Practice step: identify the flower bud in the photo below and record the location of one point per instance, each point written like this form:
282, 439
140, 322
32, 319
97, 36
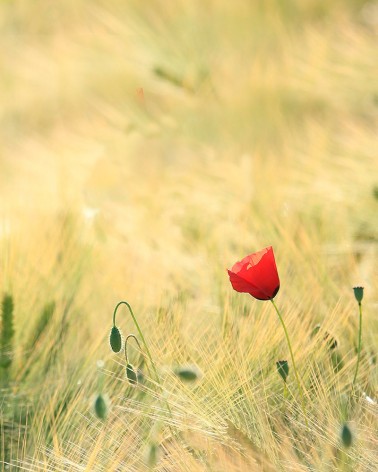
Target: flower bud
188, 373
283, 369
100, 407
131, 375
358, 293
346, 436
115, 339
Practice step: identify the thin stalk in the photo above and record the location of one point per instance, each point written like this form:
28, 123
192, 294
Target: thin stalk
359, 344
132, 336
285, 390
292, 360
145, 346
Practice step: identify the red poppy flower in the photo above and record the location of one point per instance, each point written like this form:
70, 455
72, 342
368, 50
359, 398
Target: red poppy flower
257, 275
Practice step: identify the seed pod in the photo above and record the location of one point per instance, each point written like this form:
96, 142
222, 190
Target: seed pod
283, 369
131, 375
115, 339
346, 436
100, 407
358, 293
188, 373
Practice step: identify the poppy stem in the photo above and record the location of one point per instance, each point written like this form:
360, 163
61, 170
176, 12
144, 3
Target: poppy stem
145, 346
359, 343
292, 360
285, 390
132, 336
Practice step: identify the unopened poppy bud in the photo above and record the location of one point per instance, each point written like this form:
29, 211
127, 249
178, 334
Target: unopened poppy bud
283, 369
358, 293
100, 407
131, 375
346, 436
188, 373
115, 339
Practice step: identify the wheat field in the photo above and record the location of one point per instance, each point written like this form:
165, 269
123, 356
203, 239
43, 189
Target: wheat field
145, 148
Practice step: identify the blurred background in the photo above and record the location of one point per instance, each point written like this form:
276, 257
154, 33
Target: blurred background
147, 146
247, 111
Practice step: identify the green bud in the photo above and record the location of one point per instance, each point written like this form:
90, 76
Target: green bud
358, 293
131, 375
346, 436
100, 407
188, 373
115, 339
283, 369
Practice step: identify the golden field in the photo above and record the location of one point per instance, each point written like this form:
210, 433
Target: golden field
256, 126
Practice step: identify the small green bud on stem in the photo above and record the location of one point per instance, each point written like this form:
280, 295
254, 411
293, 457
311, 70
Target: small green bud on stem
131, 374
283, 369
188, 373
100, 407
358, 293
115, 339
346, 436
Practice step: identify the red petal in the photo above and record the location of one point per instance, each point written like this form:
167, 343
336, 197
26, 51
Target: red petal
257, 275
244, 286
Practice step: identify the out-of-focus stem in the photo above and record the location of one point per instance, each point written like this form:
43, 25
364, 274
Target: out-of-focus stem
292, 360
359, 344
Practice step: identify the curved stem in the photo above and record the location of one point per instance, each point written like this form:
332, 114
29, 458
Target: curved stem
100, 381
144, 344
292, 360
126, 341
139, 347
359, 344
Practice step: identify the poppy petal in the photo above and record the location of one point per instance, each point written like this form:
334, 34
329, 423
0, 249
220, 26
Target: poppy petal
256, 274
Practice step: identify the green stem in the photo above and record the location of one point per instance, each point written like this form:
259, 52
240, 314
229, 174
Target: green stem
359, 343
132, 336
285, 390
144, 344
292, 360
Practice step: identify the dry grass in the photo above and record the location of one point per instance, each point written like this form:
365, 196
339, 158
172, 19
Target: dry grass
257, 127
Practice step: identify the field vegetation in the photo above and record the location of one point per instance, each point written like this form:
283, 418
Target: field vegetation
145, 148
